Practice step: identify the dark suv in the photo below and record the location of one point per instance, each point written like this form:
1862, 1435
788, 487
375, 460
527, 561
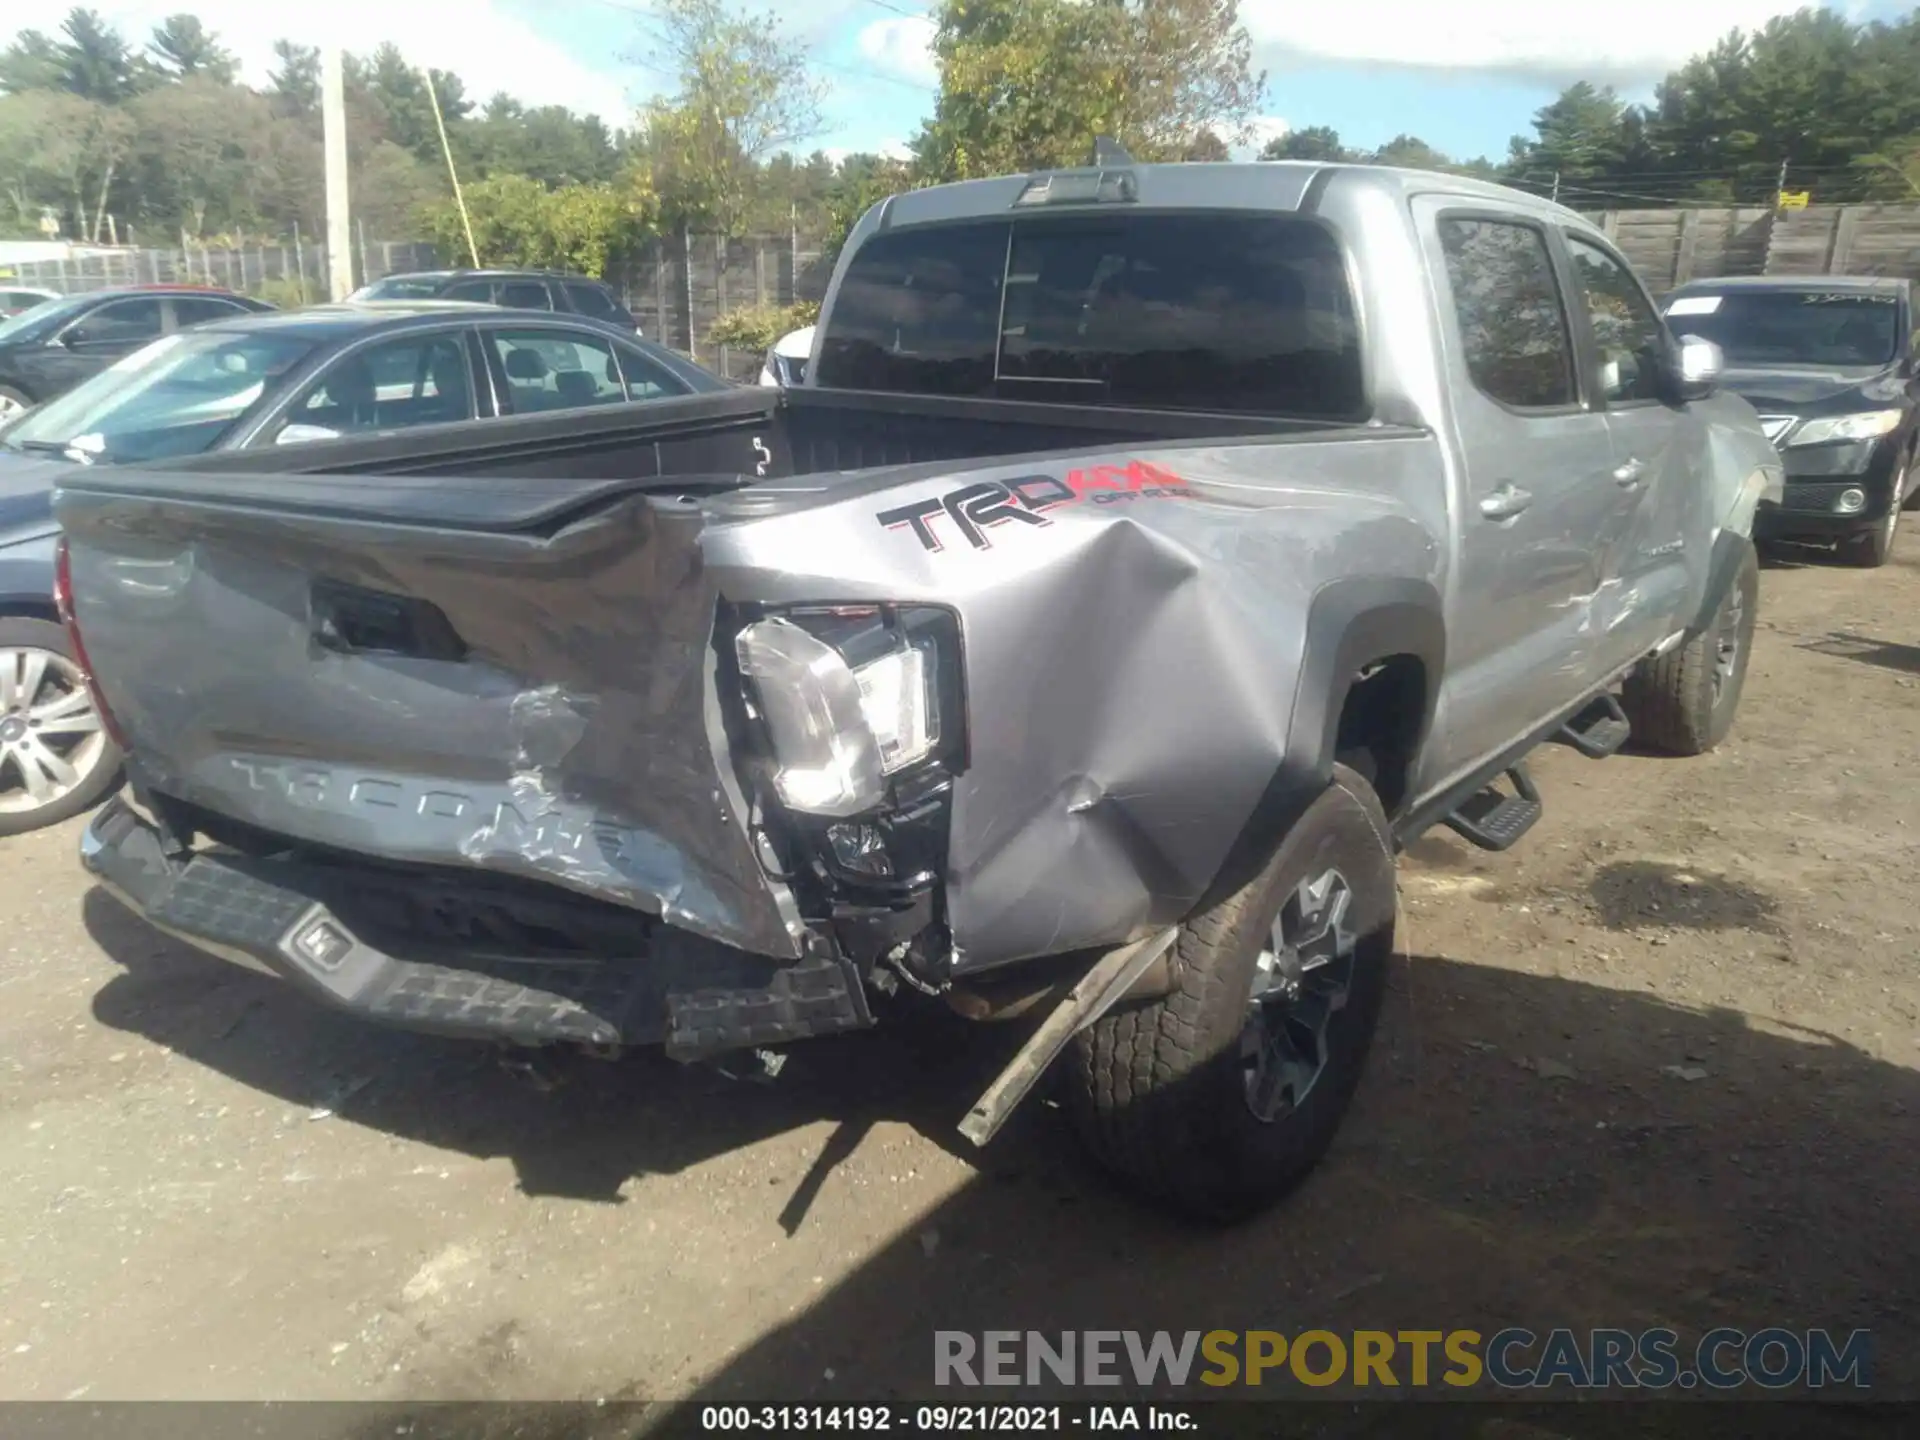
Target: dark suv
48, 349
515, 289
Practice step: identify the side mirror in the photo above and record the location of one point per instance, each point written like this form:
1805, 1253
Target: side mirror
1698, 367
304, 434
76, 337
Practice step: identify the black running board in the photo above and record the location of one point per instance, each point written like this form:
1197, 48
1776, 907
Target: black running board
1494, 820
1599, 730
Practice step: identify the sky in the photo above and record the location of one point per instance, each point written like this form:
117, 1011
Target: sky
1465, 77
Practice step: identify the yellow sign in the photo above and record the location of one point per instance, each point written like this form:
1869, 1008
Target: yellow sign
1795, 199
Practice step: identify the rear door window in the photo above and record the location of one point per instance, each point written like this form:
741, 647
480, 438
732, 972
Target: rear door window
1219, 312
198, 309
556, 370
594, 301
525, 295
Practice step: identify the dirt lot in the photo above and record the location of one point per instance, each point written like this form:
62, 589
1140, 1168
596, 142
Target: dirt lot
212, 1188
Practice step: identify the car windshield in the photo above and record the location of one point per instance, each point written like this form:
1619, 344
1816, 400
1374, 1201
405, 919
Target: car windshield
1792, 327
177, 396
400, 287
38, 317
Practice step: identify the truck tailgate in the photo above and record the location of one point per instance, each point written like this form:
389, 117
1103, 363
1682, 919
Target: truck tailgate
515, 675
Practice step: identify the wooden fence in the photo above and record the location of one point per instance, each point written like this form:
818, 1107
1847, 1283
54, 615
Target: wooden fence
1670, 247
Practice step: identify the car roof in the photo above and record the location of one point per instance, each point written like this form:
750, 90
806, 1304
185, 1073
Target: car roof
489, 273
1838, 284
1266, 185
326, 323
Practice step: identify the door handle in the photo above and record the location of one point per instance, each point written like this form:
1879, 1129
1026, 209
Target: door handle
1630, 474
1506, 502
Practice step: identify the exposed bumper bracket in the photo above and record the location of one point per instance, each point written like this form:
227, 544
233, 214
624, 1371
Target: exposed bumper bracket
1098, 991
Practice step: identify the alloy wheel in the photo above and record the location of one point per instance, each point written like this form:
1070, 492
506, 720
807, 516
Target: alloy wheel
51, 738
1301, 981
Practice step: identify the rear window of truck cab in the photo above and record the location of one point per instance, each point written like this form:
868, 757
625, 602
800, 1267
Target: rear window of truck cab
1224, 312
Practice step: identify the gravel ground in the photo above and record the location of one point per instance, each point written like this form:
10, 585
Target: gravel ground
1655, 1066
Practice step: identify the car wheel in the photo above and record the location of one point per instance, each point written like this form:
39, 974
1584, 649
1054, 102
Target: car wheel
1684, 702
13, 404
1219, 1098
56, 759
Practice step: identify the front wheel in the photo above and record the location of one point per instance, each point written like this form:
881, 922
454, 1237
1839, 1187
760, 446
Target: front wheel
1684, 702
13, 404
56, 759
1219, 1098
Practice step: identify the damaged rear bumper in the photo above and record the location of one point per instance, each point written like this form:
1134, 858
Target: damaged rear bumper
692, 995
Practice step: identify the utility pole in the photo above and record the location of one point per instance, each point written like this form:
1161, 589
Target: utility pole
1556, 187
333, 123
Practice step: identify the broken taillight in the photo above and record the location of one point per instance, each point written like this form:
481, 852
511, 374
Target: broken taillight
63, 603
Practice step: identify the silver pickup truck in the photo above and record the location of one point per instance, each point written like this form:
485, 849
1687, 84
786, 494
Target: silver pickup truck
1149, 552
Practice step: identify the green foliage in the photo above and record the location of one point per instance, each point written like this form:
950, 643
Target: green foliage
518, 221
1832, 100
756, 327
166, 141
744, 92
865, 180
1028, 84
182, 48
1315, 142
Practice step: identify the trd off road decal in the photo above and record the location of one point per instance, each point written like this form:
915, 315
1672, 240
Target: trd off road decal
977, 508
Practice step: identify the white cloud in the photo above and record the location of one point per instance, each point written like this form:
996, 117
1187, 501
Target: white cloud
1629, 42
487, 47
902, 45
894, 150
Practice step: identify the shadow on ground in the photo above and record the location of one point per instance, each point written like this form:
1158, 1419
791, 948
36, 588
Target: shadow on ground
1471, 1187
1886, 654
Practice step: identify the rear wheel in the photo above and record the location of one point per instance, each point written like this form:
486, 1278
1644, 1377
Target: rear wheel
1219, 1098
13, 404
56, 759
1684, 702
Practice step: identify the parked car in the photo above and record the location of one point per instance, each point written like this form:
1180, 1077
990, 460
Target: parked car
48, 349
1832, 363
243, 385
515, 289
1149, 553
786, 362
15, 298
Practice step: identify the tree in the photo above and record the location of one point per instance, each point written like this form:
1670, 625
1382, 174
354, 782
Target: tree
864, 181
32, 62
294, 84
391, 190
183, 47
1206, 146
1582, 134
1316, 142
1028, 84
1410, 152
96, 62
200, 155
744, 92
518, 221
